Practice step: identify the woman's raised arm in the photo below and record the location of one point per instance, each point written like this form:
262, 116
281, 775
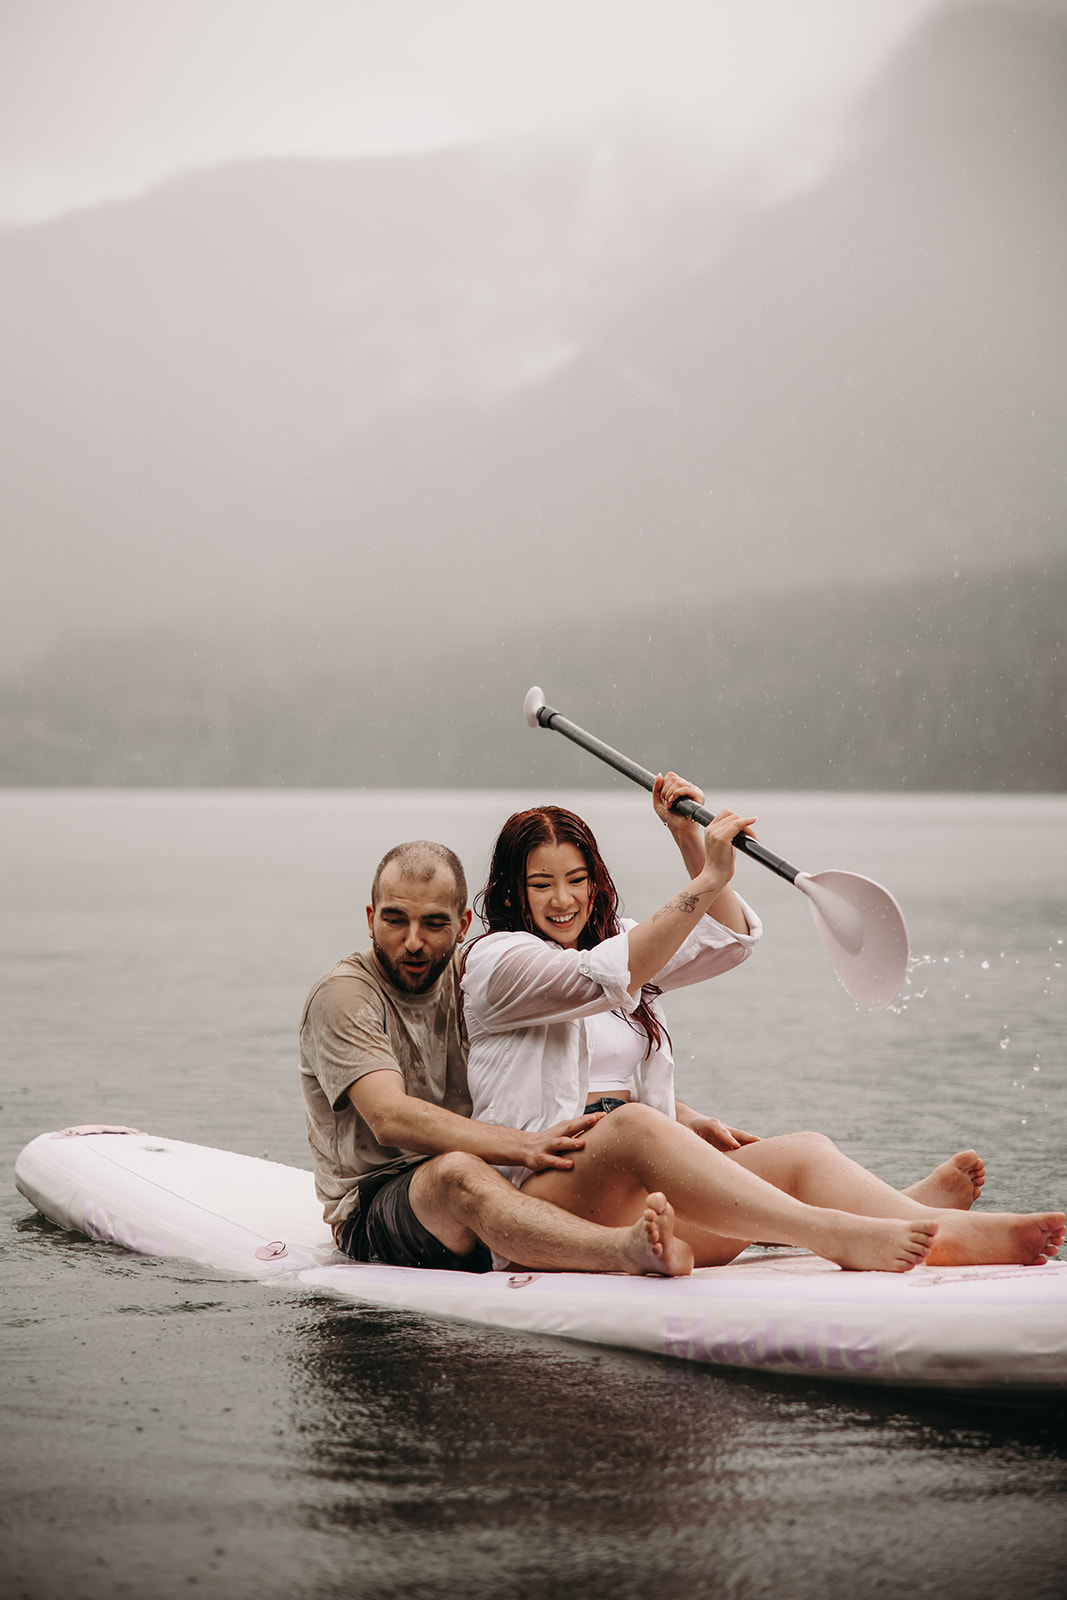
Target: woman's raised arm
689, 837
654, 941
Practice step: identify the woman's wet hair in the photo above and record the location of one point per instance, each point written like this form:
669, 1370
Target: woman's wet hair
504, 906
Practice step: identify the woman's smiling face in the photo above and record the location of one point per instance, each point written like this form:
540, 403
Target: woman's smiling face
558, 892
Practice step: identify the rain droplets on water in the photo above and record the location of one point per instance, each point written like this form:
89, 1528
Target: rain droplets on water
981, 966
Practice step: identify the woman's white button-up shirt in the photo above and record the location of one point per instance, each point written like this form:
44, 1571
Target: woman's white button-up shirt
525, 1001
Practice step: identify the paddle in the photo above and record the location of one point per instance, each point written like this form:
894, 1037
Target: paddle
859, 922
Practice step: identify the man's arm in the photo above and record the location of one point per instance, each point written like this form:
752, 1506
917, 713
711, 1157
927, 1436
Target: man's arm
711, 1130
401, 1121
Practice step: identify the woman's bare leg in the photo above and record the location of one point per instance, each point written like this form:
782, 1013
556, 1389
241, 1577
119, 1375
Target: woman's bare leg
811, 1167
727, 1205
953, 1185
805, 1192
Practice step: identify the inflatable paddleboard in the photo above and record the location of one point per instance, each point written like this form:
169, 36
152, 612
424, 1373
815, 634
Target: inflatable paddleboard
964, 1328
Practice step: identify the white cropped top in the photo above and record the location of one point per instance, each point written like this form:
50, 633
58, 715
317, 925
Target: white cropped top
615, 1050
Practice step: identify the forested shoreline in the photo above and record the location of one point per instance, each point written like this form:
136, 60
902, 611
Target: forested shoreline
933, 685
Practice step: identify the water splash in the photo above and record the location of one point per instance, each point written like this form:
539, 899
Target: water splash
908, 993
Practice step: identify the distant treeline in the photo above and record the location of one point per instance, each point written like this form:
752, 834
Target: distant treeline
955, 684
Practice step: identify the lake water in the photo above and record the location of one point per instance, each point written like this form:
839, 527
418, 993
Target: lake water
172, 1431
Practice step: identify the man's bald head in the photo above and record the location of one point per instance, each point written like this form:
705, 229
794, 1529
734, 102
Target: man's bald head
421, 860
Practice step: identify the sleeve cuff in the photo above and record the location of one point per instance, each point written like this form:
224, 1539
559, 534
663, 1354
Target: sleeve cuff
609, 966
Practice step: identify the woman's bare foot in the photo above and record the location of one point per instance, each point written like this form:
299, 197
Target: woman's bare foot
1025, 1239
874, 1244
953, 1186
650, 1245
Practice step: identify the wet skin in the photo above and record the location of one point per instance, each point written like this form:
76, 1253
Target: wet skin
415, 927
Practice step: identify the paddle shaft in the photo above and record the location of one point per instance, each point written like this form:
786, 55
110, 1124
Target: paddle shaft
630, 769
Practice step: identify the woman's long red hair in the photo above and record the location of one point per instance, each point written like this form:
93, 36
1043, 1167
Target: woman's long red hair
504, 906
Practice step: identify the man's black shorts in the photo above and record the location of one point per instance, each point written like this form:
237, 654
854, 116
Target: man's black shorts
384, 1229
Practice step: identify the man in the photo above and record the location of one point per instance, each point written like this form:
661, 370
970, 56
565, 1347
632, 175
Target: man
405, 1176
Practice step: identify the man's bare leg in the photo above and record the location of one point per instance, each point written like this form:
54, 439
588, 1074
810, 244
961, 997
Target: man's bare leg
460, 1200
807, 1193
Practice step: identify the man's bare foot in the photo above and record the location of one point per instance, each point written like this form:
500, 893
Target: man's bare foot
650, 1245
953, 1186
1025, 1239
874, 1244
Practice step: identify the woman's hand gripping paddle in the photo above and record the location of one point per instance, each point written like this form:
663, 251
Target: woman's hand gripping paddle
859, 922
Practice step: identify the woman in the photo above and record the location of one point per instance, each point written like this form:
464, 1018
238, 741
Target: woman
561, 1004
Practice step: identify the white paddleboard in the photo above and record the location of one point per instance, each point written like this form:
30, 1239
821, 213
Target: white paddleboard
976, 1328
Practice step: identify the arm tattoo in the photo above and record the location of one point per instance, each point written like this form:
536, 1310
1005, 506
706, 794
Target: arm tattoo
686, 902
681, 902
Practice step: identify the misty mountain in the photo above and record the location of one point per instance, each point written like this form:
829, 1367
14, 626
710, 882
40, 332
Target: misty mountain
393, 405
953, 683
193, 378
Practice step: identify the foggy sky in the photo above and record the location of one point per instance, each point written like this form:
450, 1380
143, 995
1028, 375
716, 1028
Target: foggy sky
761, 328
104, 99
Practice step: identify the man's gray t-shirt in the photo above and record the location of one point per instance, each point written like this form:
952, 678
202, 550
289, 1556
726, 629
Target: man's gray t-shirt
356, 1022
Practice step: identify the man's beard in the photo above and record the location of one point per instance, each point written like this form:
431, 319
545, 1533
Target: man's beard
409, 982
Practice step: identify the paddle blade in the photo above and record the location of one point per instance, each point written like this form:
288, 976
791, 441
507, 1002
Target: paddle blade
864, 932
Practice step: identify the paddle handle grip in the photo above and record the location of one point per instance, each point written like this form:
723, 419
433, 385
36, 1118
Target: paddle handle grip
548, 718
